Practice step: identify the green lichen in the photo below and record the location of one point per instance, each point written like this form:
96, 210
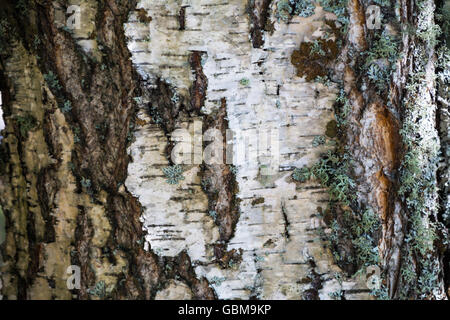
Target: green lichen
217, 280
318, 140
301, 174
359, 232
339, 8
332, 171
426, 29
303, 8
383, 3
36, 42
288, 8
380, 60
244, 82
175, 98
353, 231
284, 10
52, 80
138, 100
323, 80
76, 134
336, 295
86, 183
26, 123
67, 107
174, 174
380, 293
316, 48
212, 214
342, 110
99, 290
205, 183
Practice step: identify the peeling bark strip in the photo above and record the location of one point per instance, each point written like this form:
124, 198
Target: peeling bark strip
220, 183
182, 269
182, 18
259, 11
200, 85
165, 106
316, 282
286, 222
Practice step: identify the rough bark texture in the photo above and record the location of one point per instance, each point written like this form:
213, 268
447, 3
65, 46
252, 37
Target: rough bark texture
62, 186
93, 115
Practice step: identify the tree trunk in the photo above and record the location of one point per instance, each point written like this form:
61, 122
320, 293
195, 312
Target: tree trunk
355, 179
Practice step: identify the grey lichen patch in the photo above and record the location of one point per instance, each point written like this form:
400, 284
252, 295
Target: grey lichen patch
288, 8
380, 60
174, 174
98, 290
52, 80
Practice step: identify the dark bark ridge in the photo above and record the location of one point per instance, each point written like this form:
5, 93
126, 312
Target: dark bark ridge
259, 12
219, 184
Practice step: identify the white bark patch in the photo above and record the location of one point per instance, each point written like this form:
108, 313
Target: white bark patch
172, 224
276, 235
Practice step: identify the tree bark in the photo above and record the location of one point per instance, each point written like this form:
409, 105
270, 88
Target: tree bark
91, 114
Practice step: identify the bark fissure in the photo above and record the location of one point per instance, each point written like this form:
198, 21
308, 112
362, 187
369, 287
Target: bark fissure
259, 12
